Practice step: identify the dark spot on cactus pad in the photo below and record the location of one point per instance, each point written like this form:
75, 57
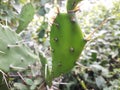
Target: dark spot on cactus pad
8, 47
71, 49
59, 64
56, 39
10, 67
73, 19
16, 43
56, 24
52, 50
29, 66
22, 59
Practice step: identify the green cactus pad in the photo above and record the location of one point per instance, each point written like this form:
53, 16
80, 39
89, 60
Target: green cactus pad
67, 43
26, 16
14, 55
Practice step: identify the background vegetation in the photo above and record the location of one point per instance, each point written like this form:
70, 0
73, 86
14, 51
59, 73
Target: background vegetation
98, 68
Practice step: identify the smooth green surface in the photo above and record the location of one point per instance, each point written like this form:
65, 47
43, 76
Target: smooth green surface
67, 43
26, 16
13, 53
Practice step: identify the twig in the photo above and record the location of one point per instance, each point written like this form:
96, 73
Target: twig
42, 85
82, 83
21, 77
101, 24
4, 77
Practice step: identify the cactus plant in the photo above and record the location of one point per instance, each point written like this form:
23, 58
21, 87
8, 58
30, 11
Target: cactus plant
26, 16
71, 4
67, 43
14, 55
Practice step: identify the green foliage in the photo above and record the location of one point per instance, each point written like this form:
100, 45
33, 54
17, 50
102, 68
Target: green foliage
99, 64
13, 53
30, 84
26, 16
20, 86
7, 14
41, 31
101, 56
3, 86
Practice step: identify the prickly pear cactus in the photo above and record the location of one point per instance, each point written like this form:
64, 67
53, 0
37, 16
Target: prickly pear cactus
14, 55
71, 4
26, 16
67, 43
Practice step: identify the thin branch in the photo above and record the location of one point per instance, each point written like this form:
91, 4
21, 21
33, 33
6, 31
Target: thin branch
14, 76
21, 77
101, 24
4, 77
